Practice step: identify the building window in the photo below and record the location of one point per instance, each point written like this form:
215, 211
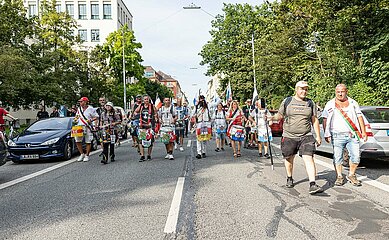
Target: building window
95, 35
58, 8
94, 11
82, 33
82, 11
70, 10
32, 10
107, 14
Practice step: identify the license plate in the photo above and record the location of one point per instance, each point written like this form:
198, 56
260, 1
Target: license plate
32, 156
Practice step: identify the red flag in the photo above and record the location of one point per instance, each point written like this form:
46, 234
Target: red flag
158, 103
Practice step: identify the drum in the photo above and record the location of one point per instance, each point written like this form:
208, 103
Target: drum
204, 131
146, 137
220, 129
263, 136
107, 136
167, 134
179, 124
77, 131
236, 133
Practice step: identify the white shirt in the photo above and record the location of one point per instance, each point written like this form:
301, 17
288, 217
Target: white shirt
220, 119
259, 117
89, 114
166, 115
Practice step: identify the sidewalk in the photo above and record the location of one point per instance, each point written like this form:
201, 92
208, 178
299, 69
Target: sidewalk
242, 198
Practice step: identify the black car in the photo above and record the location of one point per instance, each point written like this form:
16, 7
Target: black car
45, 139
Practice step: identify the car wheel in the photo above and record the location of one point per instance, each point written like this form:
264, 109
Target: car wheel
346, 158
67, 151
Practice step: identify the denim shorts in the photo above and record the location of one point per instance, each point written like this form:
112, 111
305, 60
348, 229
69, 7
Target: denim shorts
345, 140
221, 135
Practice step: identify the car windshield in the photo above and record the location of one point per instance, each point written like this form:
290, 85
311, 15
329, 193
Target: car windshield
378, 115
50, 124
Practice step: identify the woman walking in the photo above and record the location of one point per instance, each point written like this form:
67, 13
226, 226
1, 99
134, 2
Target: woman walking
108, 120
219, 119
235, 128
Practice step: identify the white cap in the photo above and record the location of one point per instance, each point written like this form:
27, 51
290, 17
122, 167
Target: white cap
109, 104
301, 84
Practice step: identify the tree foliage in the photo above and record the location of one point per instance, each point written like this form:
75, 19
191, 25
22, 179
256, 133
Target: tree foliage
322, 41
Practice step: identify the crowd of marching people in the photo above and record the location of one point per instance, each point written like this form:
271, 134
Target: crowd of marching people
232, 126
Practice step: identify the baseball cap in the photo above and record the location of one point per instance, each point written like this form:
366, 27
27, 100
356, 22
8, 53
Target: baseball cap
109, 104
138, 96
301, 84
84, 99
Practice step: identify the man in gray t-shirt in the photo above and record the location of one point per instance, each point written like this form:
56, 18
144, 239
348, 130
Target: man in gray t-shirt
300, 115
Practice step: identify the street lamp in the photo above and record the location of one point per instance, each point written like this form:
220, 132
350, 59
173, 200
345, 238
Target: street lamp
124, 78
192, 6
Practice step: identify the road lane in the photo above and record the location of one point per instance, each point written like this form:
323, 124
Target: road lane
244, 199
125, 199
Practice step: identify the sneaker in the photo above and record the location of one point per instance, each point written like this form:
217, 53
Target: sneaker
198, 156
86, 159
81, 158
142, 159
266, 155
222, 149
354, 181
148, 158
217, 150
181, 149
171, 157
339, 181
175, 146
313, 189
203, 155
260, 154
289, 183
167, 156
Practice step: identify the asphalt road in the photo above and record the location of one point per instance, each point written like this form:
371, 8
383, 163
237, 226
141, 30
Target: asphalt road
221, 198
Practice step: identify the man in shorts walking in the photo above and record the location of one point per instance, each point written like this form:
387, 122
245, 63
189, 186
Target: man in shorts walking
299, 115
85, 117
344, 127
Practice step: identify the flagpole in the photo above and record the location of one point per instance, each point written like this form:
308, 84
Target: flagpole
252, 45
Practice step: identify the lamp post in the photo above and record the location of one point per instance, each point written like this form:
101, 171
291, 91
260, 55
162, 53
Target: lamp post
192, 6
124, 78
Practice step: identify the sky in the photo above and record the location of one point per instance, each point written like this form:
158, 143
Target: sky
172, 37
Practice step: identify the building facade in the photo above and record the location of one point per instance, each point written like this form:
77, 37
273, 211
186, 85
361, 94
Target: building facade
96, 19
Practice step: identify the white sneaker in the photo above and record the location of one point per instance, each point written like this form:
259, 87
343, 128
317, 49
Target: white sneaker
86, 158
181, 149
167, 156
175, 146
81, 158
171, 157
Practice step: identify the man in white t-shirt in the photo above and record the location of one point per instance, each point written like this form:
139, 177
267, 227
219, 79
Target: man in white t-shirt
168, 116
85, 117
344, 126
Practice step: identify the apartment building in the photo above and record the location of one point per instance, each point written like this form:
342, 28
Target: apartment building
96, 19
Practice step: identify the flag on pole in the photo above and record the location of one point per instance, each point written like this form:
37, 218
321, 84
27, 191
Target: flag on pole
229, 92
158, 103
255, 96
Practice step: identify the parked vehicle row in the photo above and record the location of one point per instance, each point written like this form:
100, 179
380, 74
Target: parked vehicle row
45, 139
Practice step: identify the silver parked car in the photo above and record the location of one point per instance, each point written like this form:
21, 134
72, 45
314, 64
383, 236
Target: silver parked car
377, 127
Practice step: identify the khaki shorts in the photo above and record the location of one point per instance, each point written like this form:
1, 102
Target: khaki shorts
88, 135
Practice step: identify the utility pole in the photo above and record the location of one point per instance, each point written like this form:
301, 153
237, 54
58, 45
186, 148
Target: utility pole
124, 78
